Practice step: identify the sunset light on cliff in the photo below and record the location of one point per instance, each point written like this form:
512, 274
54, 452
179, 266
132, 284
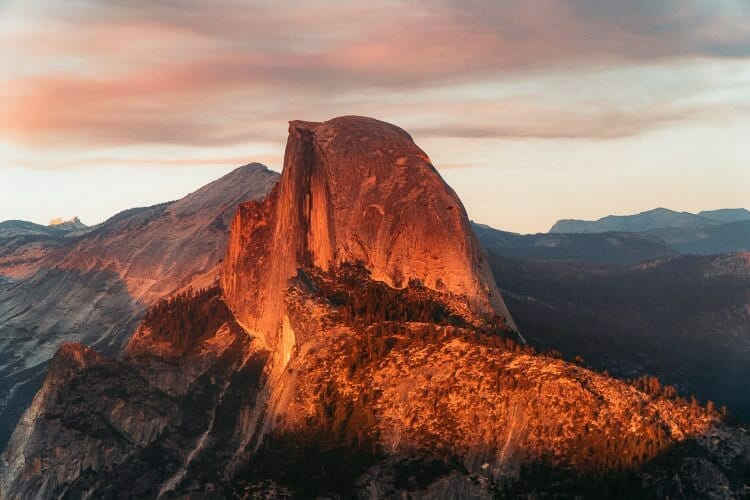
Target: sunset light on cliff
436, 250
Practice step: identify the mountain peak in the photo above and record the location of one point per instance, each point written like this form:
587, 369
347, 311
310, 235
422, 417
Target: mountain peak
249, 181
60, 223
248, 169
659, 211
354, 190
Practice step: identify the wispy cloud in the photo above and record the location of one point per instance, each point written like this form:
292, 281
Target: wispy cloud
644, 100
216, 73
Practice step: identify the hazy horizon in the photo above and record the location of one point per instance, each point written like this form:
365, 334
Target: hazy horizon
202, 176
532, 111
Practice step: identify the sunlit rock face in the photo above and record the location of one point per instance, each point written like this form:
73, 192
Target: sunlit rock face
66, 225
323, 367
354, 189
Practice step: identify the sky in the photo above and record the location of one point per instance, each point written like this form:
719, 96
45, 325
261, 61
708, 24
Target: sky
531, 110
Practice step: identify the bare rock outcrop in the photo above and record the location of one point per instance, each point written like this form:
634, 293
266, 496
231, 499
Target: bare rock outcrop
56, 441
354, 189
92, 285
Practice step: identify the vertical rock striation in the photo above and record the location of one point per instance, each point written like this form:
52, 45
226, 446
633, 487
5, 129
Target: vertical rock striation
354, 190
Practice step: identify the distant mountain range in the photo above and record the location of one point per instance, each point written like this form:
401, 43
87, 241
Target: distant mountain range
712, 240
56, 227
595, 248
658, 218
705, 233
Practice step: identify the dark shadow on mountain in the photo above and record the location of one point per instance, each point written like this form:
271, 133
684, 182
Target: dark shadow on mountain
204, 419
684, 470
310, 464
595, 248
677, 319
724, 238
52, 307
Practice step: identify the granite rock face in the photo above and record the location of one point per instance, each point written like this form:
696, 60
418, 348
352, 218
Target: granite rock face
64, 440
354, 348
92, 285
355, 189
134, 426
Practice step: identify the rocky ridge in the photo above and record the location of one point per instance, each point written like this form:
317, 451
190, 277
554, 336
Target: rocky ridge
93, 285
346, 374
60, 224
651, 219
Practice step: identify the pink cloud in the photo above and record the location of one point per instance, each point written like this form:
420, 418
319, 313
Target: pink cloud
222, 73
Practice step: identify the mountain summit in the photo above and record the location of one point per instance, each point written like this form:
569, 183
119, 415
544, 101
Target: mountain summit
69, 225
355, 190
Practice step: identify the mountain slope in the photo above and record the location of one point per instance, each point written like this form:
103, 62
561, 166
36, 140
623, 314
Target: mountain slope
726, 214
360, 384
93, 285
415, 408
713, 240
